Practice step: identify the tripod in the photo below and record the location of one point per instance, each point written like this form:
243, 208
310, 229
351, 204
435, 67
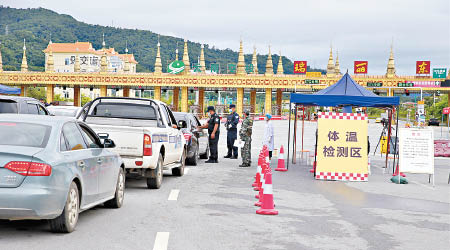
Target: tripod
383, 133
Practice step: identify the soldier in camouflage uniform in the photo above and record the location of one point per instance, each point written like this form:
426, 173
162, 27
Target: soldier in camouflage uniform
246, 135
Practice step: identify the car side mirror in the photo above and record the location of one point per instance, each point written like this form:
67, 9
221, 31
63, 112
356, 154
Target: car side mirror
109, 143
182, 124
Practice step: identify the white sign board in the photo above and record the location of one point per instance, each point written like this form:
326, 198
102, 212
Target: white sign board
416, 153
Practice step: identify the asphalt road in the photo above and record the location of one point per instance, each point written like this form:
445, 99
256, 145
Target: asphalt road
211, 207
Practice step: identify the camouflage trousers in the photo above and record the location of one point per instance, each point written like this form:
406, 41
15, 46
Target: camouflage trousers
246, 152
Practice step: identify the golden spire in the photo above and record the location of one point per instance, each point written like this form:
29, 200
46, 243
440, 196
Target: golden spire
202, 59
187, 67
241, 61
103, 61
280, 70
158, 64
126, 67
337, 68
76, 65
176, 52
24, 66
269, 65
255, 61
390, 71
1, 61
330, 66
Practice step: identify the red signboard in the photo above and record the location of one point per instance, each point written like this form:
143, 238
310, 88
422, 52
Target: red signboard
300, 67
360, 67
423, 67
446, 111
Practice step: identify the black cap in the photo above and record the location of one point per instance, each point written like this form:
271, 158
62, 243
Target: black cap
247, 112
232, 106
210, 108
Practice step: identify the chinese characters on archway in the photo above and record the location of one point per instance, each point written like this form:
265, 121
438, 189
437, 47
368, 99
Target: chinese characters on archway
342, 151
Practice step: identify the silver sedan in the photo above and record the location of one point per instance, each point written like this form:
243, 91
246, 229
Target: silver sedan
53, 168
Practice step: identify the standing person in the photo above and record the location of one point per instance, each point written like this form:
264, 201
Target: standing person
214, 132
231, 125
268, 135
246, 135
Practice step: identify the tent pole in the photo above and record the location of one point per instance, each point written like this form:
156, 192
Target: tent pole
303, 127
294, 151
388, 137
289, 134
396, 139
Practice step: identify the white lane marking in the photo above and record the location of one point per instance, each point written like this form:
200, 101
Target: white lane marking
186, 170
423, 185
173, 196
161, 241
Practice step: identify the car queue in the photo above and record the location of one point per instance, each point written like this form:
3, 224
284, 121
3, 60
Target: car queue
64, 161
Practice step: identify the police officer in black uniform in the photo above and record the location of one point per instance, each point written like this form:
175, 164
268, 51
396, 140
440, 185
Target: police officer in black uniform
214, 132
231, 125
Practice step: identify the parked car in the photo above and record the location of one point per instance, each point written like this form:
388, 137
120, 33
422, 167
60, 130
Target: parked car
70, 111
433, 122
378, 120
196, 138
55, 167
21, 105
145, 132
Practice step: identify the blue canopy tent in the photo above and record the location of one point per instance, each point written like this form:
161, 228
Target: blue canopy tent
8, 90
344, 93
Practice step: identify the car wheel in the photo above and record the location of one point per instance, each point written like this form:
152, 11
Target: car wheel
157, 173
66, 222
117, 201
193, 160
179, 171
206, 154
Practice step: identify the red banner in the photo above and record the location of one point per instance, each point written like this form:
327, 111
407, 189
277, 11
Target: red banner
423, 67
300, 67
360, 67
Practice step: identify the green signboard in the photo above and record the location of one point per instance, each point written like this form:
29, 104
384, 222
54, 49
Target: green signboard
312, 81
175, 67
405, 84
374, 84
440, 73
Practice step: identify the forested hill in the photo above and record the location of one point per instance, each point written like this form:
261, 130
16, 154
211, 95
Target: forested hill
37, 25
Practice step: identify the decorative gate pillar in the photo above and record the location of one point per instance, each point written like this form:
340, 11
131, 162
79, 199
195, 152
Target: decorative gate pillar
240, 101
175, 98
76, 96
268, 101
253, 101
126, 92
50, 92
103, 91
201, 101
184, 99
157, 93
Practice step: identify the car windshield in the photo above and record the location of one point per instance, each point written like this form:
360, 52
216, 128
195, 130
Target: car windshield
64, 112
8, 106
24, 134
124, 110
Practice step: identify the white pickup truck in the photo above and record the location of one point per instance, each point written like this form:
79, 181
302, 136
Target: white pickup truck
145, 133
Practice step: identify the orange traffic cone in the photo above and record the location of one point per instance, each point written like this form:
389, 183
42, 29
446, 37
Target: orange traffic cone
258, 171
266, 155
281, 166
267, 206
260, 196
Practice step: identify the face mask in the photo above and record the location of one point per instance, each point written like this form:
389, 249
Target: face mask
230, 110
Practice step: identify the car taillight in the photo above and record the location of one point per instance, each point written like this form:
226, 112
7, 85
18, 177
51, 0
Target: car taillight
147, 145
187, 137
27, 168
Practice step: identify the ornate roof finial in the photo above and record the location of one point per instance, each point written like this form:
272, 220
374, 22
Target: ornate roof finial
255, 61
390, 71
330, 66
50, 41
176, 52
158, 64
50, 62
269, 65
103, 43
24, 65
280, 70
337, 68
241, 61
187, 67
202, 59
126, 47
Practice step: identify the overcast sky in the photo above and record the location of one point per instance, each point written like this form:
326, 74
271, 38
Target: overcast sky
300, 29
